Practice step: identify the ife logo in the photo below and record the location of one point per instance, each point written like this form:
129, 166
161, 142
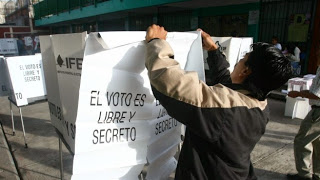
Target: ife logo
221, 48
59, 61
70, 62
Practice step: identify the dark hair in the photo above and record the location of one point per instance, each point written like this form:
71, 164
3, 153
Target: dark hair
291, 47
270, 69
275, 38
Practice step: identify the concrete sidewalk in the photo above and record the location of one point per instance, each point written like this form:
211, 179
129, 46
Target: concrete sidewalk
41, 159
272, 156
8, 168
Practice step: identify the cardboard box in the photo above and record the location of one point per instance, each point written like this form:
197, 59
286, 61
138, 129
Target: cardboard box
297, 107
299, 84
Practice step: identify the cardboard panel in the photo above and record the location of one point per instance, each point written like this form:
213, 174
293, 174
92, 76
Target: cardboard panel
26, 79
50, 74
233, 48
8, 46
4, 86
118, 119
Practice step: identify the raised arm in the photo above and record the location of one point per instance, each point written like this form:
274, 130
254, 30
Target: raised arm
218, 65
185, 97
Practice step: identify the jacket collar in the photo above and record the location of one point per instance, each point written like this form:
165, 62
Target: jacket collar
240, 88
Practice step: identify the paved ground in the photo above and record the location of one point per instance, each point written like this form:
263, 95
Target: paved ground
272, 157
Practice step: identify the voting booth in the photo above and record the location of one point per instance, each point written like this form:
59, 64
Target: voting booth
68, 51
25, 79
4, 86
102, 106
233, 48
8, 46
24, 82
62, 61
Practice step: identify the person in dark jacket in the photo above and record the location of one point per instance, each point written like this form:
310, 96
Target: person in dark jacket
223, 121
21, 46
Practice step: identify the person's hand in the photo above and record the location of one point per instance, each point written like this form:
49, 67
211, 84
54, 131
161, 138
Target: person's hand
156, 31
303, 94
294, 94
207, 42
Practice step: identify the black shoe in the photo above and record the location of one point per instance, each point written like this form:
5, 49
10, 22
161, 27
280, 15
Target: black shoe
297, 177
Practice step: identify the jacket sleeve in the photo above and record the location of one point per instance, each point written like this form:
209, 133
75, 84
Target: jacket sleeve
218, 68
185, 97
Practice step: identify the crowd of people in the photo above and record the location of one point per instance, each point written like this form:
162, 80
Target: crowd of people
224, 121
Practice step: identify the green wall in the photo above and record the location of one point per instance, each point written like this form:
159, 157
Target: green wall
122, 5
253, 29
98, 9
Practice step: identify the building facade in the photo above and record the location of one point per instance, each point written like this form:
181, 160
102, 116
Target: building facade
292, 21
18, 19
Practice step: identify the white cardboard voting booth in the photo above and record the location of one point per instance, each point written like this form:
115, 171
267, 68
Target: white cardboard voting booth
25, 79
68, 52
25, 82
50, 74
8, 46
4, 87
62, 58
233, 48
245, 47
120, 127
118, 117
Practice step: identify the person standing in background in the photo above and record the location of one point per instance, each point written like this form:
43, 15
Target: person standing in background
307, 141
21, 47
275, 43
293, 52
